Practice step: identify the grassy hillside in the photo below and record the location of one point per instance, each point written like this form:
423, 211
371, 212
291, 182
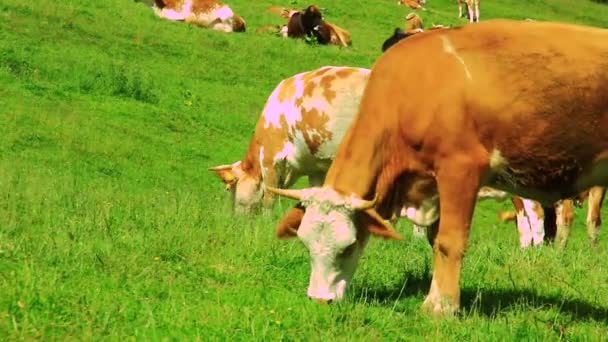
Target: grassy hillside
112, 228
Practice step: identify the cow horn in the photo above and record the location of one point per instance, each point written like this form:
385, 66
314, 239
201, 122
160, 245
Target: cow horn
220, 168
296, 194
361, 204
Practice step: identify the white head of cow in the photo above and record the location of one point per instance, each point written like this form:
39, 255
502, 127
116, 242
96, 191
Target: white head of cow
335, 229
246, 190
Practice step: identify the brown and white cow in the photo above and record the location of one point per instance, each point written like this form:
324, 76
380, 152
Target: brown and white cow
302, 123
205, 13
413, 4
471, 7
528, 116
309, 22
561, 217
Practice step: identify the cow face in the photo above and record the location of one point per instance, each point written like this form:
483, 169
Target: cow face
335, 229
238, 24
312, 19
245, 190
398, 35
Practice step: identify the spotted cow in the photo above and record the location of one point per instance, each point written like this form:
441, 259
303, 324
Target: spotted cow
205, 13
302, 123
413, 4
463, 124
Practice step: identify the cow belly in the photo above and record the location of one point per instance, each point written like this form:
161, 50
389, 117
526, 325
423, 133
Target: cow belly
544, 181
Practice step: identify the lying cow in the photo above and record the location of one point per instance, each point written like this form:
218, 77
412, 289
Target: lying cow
205, 13
302, 123
472, 9
463, 124
413, 4
309, 23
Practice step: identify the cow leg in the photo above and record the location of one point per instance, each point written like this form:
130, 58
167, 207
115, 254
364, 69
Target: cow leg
459, 9
550, 223
523, 225
458, 184
270, 179
431, 232
535, 215
594, 219
471, 15
564, 214
477, 10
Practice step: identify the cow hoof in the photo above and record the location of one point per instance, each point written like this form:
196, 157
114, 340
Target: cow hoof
440, 308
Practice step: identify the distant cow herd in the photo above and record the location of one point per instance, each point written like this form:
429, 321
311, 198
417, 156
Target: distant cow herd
424, 141
301, 23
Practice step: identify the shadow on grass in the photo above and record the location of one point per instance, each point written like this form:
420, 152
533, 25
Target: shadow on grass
486, 302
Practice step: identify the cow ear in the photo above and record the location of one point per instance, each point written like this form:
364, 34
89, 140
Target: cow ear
375, 224
225, 172
290, 222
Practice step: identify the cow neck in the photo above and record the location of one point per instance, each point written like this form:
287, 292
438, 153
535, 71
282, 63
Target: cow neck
358, 162
251, 164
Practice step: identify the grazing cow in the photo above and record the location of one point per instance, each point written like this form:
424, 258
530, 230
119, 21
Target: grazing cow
297, 134
205, 13
472, 9
463, 124
309, 22
413, 4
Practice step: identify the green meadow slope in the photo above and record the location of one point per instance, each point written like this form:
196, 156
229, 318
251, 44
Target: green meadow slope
111, 228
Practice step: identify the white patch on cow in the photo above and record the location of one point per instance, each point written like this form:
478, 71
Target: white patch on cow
224, 12
497, 161
329, 233
523, 225
449, 48
537, 227
288, 152
210, 18
172, 14
284, 31
487, 192
263, 167
424, 215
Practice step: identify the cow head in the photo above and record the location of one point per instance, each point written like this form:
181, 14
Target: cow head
246, 190
335, 229
238, 23
398, 35
312, 20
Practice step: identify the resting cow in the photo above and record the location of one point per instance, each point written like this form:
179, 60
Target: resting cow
528, 116
302, 123
309, 22
205, 13
413, 4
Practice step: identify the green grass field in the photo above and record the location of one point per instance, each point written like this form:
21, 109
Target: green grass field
111, 227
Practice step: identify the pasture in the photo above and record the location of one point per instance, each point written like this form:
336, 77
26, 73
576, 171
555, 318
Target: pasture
111, 227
